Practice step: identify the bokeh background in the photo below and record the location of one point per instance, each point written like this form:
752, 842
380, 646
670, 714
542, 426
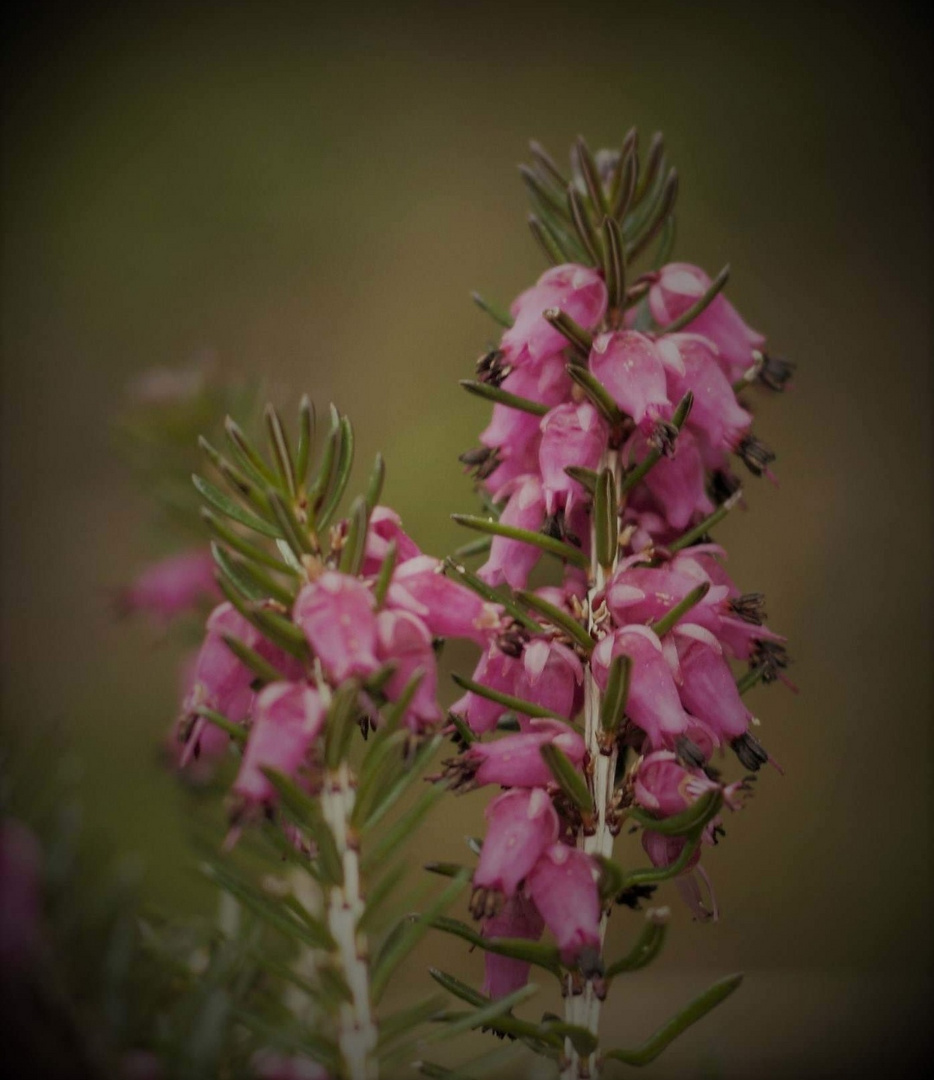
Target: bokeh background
309, 194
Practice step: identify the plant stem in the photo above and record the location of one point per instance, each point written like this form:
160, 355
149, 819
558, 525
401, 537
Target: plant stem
583, 1007
345, 907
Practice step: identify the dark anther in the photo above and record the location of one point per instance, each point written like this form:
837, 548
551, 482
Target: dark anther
482, 461
775, 373
750, 751
755, 455
689, 753
459, 772
770, 657
456, 737
365, 725
513, 641
749, 607
485, 903
663, 437
589, 963
492, 367
553, 525
634, 895
723, 485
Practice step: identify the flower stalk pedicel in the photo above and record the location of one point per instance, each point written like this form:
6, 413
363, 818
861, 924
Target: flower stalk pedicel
612, 451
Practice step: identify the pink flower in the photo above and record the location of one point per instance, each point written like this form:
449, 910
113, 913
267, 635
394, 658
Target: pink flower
630, 367
497, 671
716, 417
708, 688
677, 484
571, 435
663, 851
271, 1065
552, 676
642, 594
403, 638
512, 560
678, 286
20, 896
172, 586
664, 786
336, 614
516, 760
518, 918
577, 290
563, 885
446, 607
386, 526
287, 719
653, 704
520, 825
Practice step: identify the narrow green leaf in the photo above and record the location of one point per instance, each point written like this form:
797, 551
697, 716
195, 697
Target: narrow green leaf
236, 479
695, 534
354, 549
229, 508
687, 821
503, 397
611, 880
496, 313
567, 776
613, 706
384, 578
252, 659
547, 167
341, 723
293, 531
253, 582
459, 989
666, 244
605, 519
658, 874
584, 226
404, 827
596, 392
375, 487
473, 547
480, 587
583, 1039
235, 731
700, 304
591, 175
280, 631
647, 946
244, 547
341, 474
463, 731
546, 543
671, 617
587, 478
652, 226
483, 1016
559, 619
753, 676
666, 1034
538, 953
404, 1020
306, 438
306, 813
248, 457
406, 778
377, 896
319, 488
546, 240
625, 184
637, 473
504, 1025
281, 451
524, 708
544, 194
614, 263
653, 167
573, 332
225, 567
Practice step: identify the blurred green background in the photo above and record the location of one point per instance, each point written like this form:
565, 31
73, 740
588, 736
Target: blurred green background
310, 195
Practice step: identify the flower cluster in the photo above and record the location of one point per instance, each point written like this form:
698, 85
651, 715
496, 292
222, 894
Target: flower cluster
616, 425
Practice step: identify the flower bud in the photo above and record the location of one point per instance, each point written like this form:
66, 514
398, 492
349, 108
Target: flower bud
497, 671
384, 528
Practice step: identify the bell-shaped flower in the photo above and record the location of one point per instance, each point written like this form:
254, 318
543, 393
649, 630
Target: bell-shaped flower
716, 418
498, 671
447, 608
520, 825
643, 594
653, 703
516, 761
286, 720
679, 285
664, 851
677, 484
172, 586
384, 528
512, 560
708, 688
630, 368
563, 885
552, 676
220, 677
403, 639
518, 918
578, 291
336, 615
572, 434
664, 786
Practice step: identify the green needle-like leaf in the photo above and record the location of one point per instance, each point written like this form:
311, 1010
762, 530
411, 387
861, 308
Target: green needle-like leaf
657, 220
605, 519
613, 706
375, 487
647, 946
637, 473
546, 240
473, 547
584, 226
596, 392
306, 813
625, 185
591, 174
293, 531
403, 828
402, 783
587, 478
260, 667
653, 166
695, 534
583, 1039
671, 617
496, 313
568, 777
229, 508
503, 397
484, 1016
254, 583
404, 1020
543, 194
319, 489
281, 451
658, 874
341, 474
306, 438
687, 821
235, 731
480, 587
245, 487
515, 704
666, 1034
560, 619
538, 953
614, 263
279, 630
384, 578
573, 332
248, 457
700, 304
341, 723
354, 549
546, 543
249, 551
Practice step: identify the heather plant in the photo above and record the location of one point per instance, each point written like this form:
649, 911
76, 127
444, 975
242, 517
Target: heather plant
607, 698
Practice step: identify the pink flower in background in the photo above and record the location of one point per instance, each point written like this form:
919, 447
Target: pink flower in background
512, 560
679, 285
630, 367
577, 290
20, 896
518, 918
520, 825
664, 851
271, 1065
286, 720
403, 639
563, 885
447, 608
516, 760
172, 586
384, 528
336, 614
571, 435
